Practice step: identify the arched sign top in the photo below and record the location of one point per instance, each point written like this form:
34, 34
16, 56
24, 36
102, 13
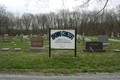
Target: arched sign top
62, 33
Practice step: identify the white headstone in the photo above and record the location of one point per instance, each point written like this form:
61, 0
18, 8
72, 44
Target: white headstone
112, 35
118, 35
87, 39
25, 37
79, 37
16, 34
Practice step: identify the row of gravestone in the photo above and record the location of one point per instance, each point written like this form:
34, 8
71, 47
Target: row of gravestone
113, 35
94, 46
7, 49
37, 43
101, 38
79, 37
6, 39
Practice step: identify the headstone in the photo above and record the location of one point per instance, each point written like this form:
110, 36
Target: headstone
16, 35
17, 49
37, 44
78, 40
29, 44
118, 35
5, 49
25, 37
21, 37
87, 39
46, 36
116, 50
14, 45
35, 35
79, 36
104, 39
30, 36
112, 35
39, 35
14, 38
94, 46
5, 38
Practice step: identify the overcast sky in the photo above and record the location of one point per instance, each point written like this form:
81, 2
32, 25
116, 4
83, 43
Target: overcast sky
50, 5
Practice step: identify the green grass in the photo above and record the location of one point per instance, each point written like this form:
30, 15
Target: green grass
61, 61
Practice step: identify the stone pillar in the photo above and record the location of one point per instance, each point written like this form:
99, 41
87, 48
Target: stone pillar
83, 39
21, 37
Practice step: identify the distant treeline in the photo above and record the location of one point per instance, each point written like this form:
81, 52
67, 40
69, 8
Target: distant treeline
88, 22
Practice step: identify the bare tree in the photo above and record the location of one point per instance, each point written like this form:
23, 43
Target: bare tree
35, 25
10, 26
3, 18
27, 19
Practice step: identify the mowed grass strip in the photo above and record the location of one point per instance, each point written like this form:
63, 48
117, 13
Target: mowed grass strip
62, 61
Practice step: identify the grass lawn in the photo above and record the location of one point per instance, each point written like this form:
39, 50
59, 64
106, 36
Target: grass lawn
61, 61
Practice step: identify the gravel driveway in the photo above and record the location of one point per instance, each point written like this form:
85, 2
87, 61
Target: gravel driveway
82, 76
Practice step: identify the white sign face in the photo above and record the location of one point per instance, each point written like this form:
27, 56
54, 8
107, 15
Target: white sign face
62, 39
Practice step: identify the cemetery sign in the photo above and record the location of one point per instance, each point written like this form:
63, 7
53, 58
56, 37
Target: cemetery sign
62, 39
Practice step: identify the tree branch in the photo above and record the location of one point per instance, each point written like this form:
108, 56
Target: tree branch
103, 7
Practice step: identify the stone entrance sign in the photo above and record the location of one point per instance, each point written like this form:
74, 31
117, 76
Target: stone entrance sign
5, 38
36, 42
95, 45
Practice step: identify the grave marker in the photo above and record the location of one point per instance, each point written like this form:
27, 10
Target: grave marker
25, 37
5, 38
104, 39
17, 49
5, 49
112, 35
118, 35
36, 44
87, 39
95, 45
21, 37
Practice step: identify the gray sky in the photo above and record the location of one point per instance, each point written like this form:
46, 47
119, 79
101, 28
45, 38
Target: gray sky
51, 5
